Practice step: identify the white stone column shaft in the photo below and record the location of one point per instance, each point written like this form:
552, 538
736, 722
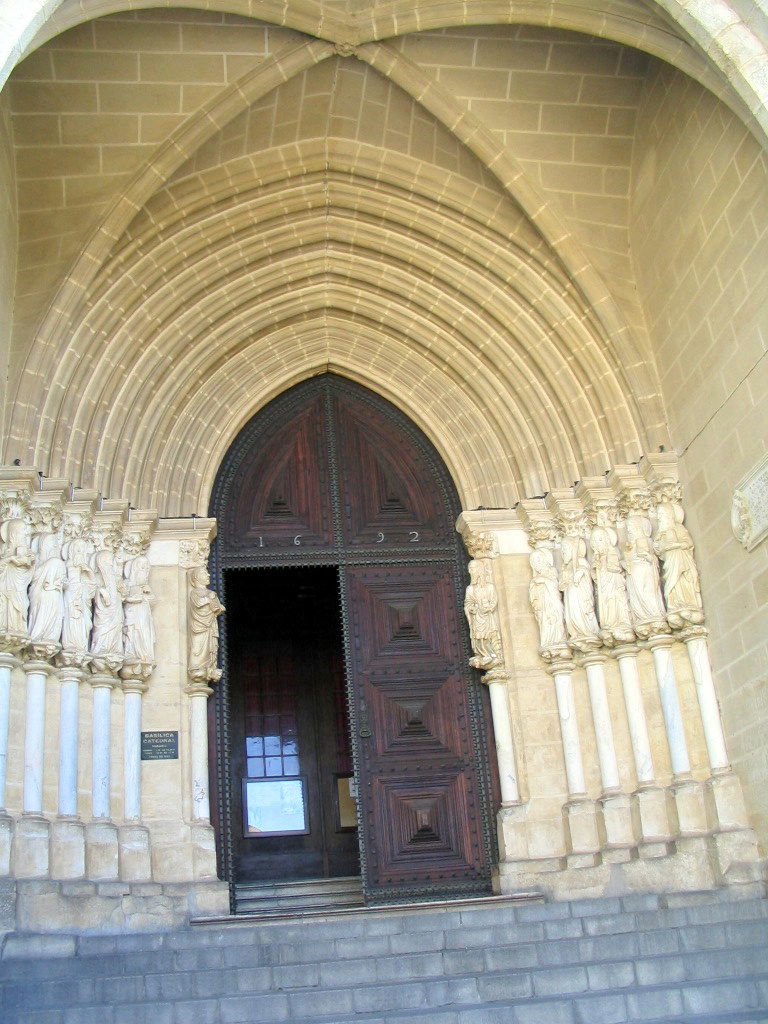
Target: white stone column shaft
132, 755
34, 737
670, 706
638, 726
505, 744
102, 740
601, 715
201, 810
69, 720
569, 728
6, 669
698, 655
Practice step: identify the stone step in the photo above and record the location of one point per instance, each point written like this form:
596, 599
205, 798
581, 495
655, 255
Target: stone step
520, 970
614, 929
317, 894
587, 962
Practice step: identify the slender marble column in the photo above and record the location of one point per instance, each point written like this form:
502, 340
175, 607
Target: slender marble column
497, 681
34, 736
102, 742
601, 715
201, 810
133, 837
562, 673
626, 657
69, 720
698, 655
661, 647
132, 749
8, 662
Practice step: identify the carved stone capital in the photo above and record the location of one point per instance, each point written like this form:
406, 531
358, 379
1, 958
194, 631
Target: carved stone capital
193, 553
139, 670
12, 643
693, 633
39, 653
199, 687
10, 658
103, 680
132, 684
34, 663
69, 658
495, 675
555, 654
106, 664
561, 666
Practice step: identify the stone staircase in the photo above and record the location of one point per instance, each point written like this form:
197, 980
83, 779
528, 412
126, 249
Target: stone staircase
694, 957
285, 898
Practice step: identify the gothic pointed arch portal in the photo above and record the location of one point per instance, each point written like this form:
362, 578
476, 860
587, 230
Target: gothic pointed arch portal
331, 479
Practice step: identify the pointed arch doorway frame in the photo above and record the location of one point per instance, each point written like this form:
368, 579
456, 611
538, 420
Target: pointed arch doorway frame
330, 474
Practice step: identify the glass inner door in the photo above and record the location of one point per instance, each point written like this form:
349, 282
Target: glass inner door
293, 793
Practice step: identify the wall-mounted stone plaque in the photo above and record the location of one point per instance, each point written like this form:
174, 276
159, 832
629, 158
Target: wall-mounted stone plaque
749, 510
159, 745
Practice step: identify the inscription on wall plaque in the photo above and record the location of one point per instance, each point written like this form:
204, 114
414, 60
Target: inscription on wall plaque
159, 745
749, 510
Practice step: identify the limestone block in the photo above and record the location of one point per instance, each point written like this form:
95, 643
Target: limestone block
203, 852
101, 856
616, 821
688, 866
691, 807
581, 828
6, 842
738, 857
512, 832
30, 853
7, 905
134, 857
208, 899
655, 815
67, 849
725, 802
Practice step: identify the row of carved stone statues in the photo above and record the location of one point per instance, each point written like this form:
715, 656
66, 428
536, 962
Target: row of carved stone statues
60, 596
613, 581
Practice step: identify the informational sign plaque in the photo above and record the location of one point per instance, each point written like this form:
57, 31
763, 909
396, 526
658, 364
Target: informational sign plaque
159, 745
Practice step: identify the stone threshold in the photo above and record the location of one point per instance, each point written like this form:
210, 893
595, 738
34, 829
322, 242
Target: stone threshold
318, 914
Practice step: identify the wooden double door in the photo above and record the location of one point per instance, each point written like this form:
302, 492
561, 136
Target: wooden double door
331, 478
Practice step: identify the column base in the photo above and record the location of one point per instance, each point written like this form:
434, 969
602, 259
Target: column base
6, 843
30, 855
738, 857
203, 851
67, 848
655, 819
617, 824
582, 835
101, 856
512, 833
134, 857
691, 807
725, 802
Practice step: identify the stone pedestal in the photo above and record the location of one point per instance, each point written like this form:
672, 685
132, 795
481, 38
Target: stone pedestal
203, 851
6, 843
101, 856
513, 837
691, 807
655, 819
619, 835
725, 802
30, 856
582, 834
134, 853
67, 848
738, 857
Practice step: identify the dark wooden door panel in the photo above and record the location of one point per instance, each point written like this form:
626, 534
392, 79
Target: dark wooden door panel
282, 490
420, 803
331, 474
387, 490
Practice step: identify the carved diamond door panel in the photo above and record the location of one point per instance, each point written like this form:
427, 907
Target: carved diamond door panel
388, 492
283, 497
419, 801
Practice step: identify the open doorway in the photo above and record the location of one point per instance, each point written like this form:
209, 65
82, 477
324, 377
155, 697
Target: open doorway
292, 790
